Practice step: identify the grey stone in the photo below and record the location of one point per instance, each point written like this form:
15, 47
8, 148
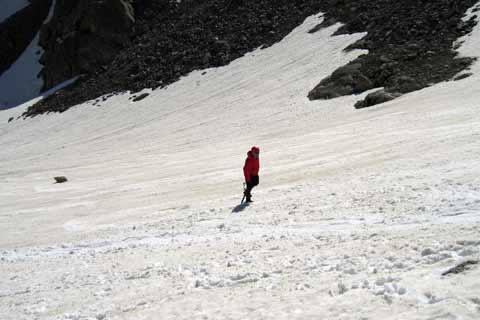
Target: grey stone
61, 179
377, 97
140, 97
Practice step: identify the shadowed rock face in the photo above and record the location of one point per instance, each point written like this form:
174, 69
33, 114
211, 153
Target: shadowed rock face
84, 36
410, 45
17, 31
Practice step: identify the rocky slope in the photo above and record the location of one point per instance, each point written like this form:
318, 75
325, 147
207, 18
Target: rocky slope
410, 44
174, 38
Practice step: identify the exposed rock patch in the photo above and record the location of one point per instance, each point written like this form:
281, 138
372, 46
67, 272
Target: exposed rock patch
410, 44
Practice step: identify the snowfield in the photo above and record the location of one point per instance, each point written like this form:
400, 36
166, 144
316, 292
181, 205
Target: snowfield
357, 215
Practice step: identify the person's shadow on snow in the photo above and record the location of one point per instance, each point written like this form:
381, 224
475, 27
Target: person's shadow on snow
240, 207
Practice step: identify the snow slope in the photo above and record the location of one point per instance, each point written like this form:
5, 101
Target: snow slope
20, 82
10, 7
357, 215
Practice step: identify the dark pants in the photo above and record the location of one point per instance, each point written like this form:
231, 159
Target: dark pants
254, 180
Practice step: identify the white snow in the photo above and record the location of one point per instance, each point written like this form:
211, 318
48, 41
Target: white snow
10, 7
21, 82
357, 215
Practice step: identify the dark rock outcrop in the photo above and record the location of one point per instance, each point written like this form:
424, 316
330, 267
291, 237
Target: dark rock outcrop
410, 42
17, 31
84, 36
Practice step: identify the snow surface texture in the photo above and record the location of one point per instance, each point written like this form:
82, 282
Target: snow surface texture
10, 7
21, 82
357, 215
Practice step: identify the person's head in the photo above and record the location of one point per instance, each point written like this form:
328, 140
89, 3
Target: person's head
256, 151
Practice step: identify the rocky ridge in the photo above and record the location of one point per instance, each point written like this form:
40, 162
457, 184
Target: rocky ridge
410, 45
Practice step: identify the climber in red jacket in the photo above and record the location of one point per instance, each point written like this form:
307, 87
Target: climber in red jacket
250, 170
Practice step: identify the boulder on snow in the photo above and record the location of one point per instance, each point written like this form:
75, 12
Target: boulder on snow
376, 97
344, 81
60, 179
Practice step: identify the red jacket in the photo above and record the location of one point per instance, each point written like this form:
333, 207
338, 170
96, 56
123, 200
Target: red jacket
251, 167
